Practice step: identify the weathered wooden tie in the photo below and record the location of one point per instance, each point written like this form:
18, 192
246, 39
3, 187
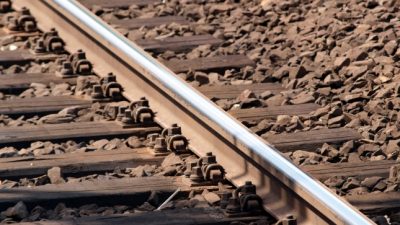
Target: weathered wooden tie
375, 202
15, 135
8, 58
114, 191
209, 63
310, 140
254, 114
148, 22
357, 169
40, 105
117, 3
76, 163
192, 216
20, 81
177, 44
233, 91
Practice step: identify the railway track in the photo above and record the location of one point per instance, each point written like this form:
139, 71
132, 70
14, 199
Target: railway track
57, 122
75, 150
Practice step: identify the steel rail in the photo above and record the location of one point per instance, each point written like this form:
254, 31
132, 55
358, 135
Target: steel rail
284, 188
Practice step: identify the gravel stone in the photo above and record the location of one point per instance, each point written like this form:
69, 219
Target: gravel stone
7, 152
100, 144
55, 175
134, 142
211, 197
171, 160
392, 146
19, 211
351, 183
370, 182
334, 182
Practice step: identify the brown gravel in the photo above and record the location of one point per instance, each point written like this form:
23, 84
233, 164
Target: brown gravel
339, 54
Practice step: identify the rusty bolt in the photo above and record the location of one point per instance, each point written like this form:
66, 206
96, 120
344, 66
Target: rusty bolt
189, 167
127, 119
66, 68
97, 92
121, 112
39, 47
160, 145
196, 174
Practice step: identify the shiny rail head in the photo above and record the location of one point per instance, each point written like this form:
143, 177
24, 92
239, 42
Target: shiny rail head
206, 108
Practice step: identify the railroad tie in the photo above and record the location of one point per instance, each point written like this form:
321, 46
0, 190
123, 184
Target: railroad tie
233, 91
209, 63
372, 203
177, 44
41, 105
148, 22
115, 190
76, 164
8, 58
14, 135
116, 3
20, 81
254, 114
188, 216
369, 203
348, 169
311, 140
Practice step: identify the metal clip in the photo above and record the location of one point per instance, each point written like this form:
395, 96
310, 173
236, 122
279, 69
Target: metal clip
64, 68
52, 42
244, 201
80, 64
157, 145
206, 171
111, 89
21, 21
107, 90
176, 142
141, 111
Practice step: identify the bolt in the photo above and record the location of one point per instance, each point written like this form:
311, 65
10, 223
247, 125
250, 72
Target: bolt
160, 145
110, 78
174, 130
53, 31
249, 188
81, 55
29, 26
40, 48
121, 112
196, 175
189, 167
25, 11
97, 92
66, 68
209, 158
233, 206
143, 102
225, 199
127, 119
